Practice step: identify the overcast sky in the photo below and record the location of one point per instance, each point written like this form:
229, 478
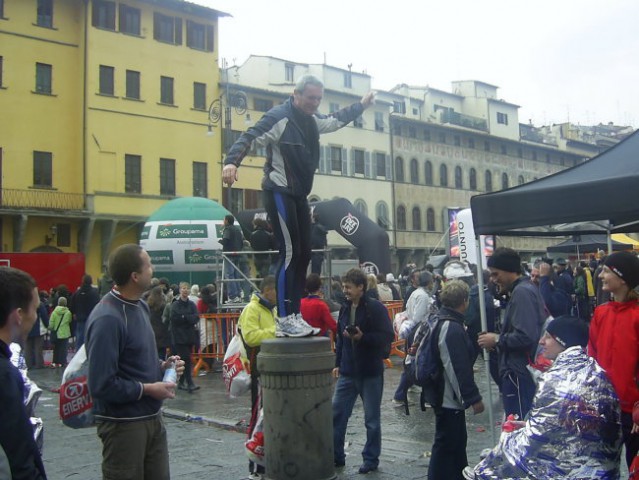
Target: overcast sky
574, 60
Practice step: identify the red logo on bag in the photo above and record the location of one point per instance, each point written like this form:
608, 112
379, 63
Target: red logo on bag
231, 367
75, 398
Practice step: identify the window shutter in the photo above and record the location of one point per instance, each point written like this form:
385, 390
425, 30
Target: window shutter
352, 161
344, 162
322, 159
328, 160
367, 165
210, 38
178, 31
156, 25
389, 171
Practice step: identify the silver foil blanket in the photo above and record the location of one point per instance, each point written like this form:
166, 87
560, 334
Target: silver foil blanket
572, 432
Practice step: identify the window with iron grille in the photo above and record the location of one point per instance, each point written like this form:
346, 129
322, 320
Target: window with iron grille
132, 173
63, 234
42, 169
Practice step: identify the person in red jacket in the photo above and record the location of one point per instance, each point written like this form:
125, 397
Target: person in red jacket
614, 339
314, 309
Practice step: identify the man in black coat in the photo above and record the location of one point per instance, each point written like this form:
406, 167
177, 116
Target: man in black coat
82, 303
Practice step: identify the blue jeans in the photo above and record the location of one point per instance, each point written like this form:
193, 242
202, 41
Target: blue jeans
347, 390
231, 273
79, 334
517, 392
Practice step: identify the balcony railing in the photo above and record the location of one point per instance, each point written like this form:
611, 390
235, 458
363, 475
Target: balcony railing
41, 199
462, 120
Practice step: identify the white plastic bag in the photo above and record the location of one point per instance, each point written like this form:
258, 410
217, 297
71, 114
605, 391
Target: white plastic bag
76, 404
234, 368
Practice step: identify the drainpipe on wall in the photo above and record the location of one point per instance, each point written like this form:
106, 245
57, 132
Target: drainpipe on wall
85, 89
392, 159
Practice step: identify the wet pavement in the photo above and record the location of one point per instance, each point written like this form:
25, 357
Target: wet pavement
206, 433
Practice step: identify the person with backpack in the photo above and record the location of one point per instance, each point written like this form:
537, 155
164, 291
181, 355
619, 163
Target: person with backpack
364, 336
455, 355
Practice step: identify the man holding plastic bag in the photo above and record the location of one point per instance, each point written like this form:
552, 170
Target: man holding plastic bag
256, 324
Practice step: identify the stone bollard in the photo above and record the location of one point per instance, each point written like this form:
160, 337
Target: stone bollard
295, 374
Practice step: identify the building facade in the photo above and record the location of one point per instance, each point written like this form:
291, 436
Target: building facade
107, 118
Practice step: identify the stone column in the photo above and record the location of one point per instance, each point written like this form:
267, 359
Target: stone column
298, 415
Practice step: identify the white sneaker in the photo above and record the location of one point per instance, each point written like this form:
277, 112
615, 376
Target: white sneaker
294, 325
255, 476
468, 473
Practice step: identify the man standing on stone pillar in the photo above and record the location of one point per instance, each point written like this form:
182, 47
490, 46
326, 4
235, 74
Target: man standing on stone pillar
290, 132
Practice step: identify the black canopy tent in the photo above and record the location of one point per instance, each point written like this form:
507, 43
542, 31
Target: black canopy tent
587, 244
600, 195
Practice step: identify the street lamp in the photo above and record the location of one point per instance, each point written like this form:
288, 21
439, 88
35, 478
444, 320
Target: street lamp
220, 111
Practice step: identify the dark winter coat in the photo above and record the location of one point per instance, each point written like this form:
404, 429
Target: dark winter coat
184, 319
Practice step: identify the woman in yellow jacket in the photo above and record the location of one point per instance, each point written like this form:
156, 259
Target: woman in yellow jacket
256, 324
60, 323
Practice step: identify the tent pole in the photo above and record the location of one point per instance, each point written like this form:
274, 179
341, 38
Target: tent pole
609, 238
484, 328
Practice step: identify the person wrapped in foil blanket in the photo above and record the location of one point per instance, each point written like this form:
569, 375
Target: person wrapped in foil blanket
573, 430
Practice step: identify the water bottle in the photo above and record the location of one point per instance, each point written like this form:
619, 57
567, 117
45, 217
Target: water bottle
170, 374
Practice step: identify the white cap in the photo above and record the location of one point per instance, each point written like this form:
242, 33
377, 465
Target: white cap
456, 269
390, 278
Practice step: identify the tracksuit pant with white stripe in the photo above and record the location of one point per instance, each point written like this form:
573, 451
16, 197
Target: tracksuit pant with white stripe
291, 221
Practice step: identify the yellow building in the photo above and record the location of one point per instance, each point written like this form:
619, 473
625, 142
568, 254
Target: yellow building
104, 118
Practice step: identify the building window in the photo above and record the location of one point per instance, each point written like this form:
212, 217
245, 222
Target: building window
502, 118
129, 20
417, 219
399, 169
133, 84
167, 176
520, 152
379, 122
167, 29
199, 36
488, 178
104, 14
348, 80
548, 158
401, 218
359, 122
487, 146
63, 234
45, 13
504, 181
107, 80
358, 158
200, 182
381, 212
473, 179
166, 90
361, 207
412, 132
1, 8
397, 129
42, 169
414, 172
333, 107
43, 78
457, 140
380, 164
430, 220
458, 178
427, 135
520, 180
428, 173
399, 107
443, 175
289, 72
199, 96
262, 104
336, 159
471, 143
503, 150
442, 137
132, 173
534, 155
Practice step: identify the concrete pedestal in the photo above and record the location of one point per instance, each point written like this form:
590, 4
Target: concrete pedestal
295, 374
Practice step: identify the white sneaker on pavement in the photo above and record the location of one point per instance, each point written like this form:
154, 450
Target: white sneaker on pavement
294, 325
468, 473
